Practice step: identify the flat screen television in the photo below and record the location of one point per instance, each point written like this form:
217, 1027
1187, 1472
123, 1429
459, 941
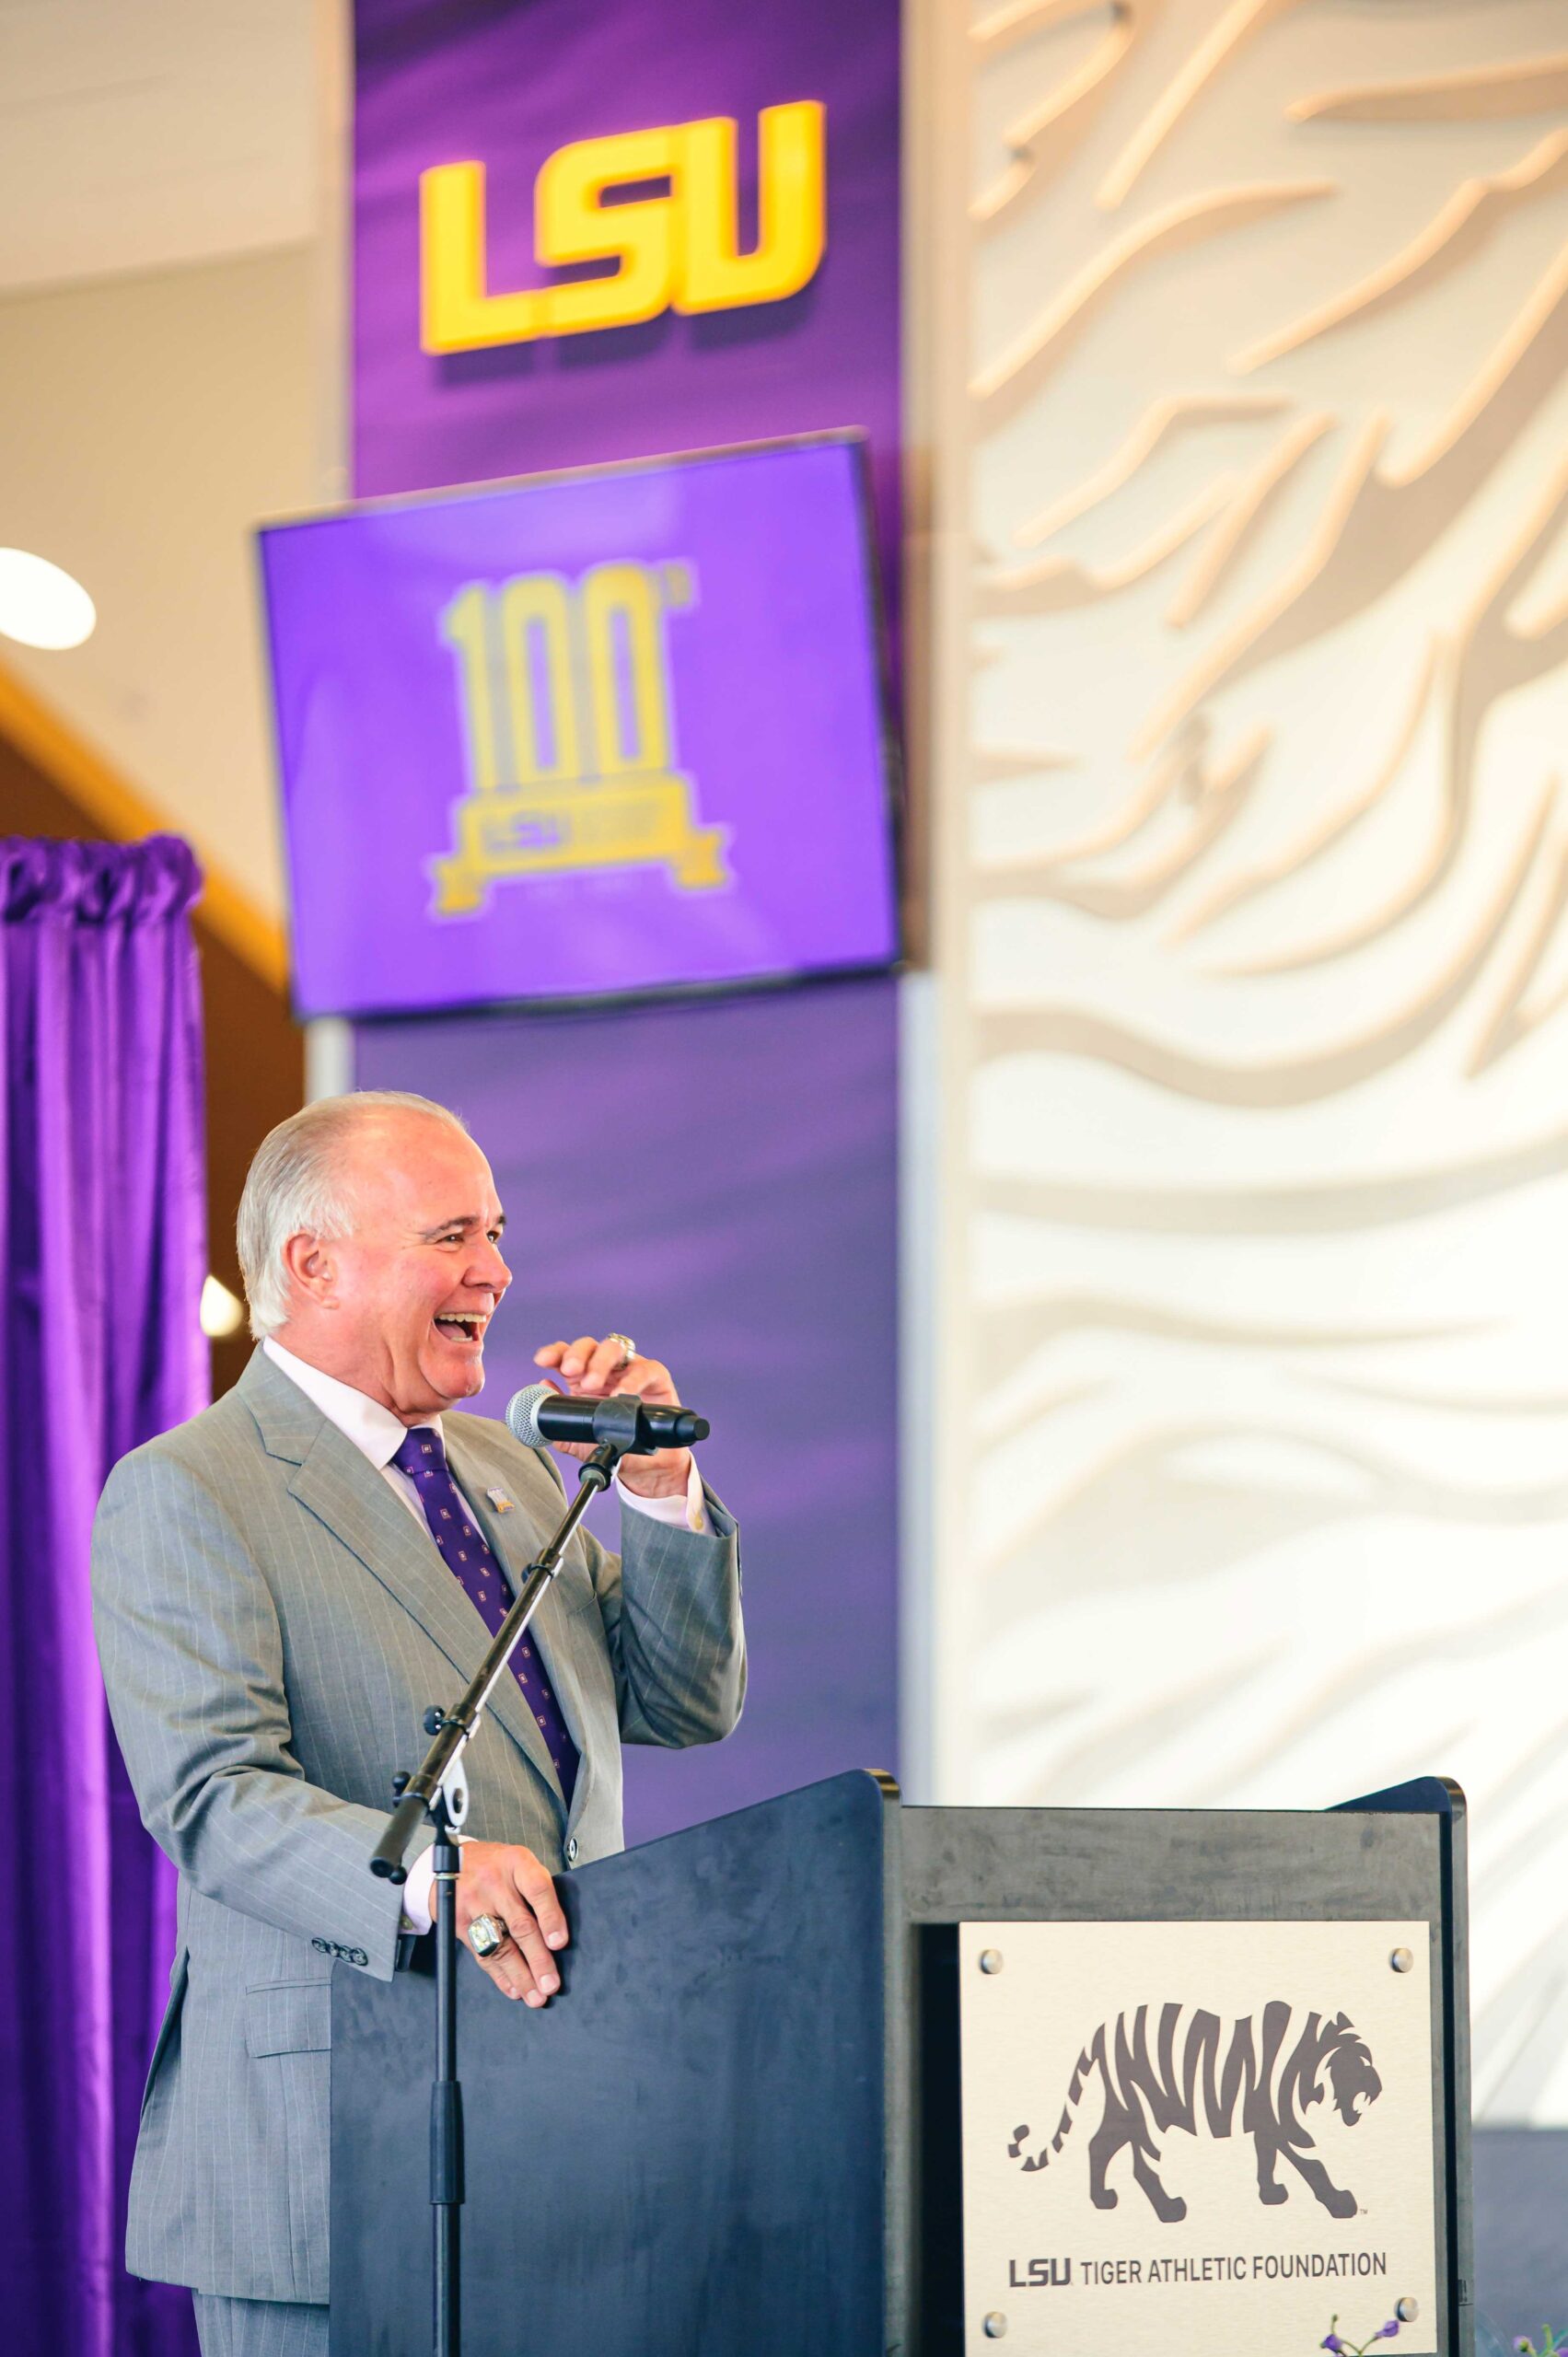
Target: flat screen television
615, 732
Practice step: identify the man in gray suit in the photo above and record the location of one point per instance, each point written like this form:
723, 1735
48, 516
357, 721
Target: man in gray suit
281, 1588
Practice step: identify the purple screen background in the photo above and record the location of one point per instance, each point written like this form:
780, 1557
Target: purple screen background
774, 698
716, 1180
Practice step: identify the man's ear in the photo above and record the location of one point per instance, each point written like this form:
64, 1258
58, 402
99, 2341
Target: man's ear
311, 1270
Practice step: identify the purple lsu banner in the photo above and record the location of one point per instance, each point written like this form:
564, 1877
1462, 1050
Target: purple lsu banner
619, 231
616, 231
595, 734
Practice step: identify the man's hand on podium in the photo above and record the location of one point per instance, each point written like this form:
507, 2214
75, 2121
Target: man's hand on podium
504, 1880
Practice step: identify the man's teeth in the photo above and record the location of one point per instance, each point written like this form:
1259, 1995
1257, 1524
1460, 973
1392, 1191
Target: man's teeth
471, 1323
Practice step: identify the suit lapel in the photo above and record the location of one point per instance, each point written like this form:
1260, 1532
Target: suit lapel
334, 1481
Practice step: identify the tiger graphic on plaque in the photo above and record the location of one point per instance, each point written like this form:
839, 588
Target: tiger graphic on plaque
1170, 2073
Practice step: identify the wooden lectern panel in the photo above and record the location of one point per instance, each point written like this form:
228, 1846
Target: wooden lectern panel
682, 2151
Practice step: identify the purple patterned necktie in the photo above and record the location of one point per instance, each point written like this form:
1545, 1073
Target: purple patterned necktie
469, 1555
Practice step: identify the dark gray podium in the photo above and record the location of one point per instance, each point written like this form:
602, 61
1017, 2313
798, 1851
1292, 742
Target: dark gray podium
736, 2133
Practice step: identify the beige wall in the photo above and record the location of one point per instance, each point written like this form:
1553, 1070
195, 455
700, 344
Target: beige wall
147, 423
1251, 912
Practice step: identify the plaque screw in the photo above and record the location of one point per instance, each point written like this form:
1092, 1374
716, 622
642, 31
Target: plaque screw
1402, 1959
1406, 2310
991, 1961
996, 2323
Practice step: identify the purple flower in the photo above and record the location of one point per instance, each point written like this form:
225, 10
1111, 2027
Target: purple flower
1390, 2331
1333, 2342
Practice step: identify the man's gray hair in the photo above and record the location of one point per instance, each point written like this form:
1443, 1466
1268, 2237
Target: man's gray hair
298, 1184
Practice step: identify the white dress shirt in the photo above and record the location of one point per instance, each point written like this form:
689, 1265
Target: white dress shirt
379, 1434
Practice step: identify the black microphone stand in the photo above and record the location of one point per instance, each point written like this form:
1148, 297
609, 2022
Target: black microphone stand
437, 1796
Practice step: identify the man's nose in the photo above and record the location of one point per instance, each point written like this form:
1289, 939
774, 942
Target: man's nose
489, 1269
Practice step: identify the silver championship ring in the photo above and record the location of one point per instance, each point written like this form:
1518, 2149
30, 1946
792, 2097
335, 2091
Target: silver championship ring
486, 1936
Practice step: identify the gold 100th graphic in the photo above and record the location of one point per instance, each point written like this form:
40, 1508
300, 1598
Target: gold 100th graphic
568, 734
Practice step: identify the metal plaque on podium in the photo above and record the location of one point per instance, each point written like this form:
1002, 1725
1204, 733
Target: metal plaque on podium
1183, 2137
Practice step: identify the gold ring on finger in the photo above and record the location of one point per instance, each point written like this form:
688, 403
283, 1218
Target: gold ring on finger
628, 1347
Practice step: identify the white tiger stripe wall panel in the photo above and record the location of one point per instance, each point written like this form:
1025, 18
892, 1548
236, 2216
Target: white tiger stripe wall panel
1244, 359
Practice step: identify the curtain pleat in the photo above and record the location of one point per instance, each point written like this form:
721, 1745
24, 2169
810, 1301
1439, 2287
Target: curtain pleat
103, 1243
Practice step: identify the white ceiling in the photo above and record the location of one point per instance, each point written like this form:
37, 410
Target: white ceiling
139, 133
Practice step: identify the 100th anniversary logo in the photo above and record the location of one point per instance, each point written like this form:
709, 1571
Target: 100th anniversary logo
568, 724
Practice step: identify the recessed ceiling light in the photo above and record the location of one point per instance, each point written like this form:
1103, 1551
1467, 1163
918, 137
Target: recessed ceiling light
39, 604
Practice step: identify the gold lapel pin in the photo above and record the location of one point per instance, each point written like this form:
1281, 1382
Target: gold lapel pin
500, 1501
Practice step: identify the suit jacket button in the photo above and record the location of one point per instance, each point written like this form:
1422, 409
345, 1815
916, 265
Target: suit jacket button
358, 1956
572, 1851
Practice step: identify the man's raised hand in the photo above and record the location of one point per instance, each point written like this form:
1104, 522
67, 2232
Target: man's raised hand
595, 1369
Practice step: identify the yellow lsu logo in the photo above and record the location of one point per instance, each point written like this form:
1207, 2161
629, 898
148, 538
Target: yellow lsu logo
674, 251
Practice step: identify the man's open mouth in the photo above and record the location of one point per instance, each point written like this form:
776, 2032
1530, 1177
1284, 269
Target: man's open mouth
462, 1325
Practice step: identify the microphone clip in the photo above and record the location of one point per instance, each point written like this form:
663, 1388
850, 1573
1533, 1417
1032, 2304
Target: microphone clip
618, 1427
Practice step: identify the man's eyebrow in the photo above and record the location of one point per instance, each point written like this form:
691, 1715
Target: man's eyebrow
461, 1219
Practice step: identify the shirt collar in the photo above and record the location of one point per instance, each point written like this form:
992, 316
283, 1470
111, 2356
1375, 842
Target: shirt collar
373, 1430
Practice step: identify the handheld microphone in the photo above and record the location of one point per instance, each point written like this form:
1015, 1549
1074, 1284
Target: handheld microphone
541, 1414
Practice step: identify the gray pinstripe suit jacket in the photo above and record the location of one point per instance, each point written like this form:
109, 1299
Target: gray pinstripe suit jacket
273, 1624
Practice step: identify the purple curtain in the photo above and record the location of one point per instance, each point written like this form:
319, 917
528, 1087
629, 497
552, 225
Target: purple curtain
103, 1244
